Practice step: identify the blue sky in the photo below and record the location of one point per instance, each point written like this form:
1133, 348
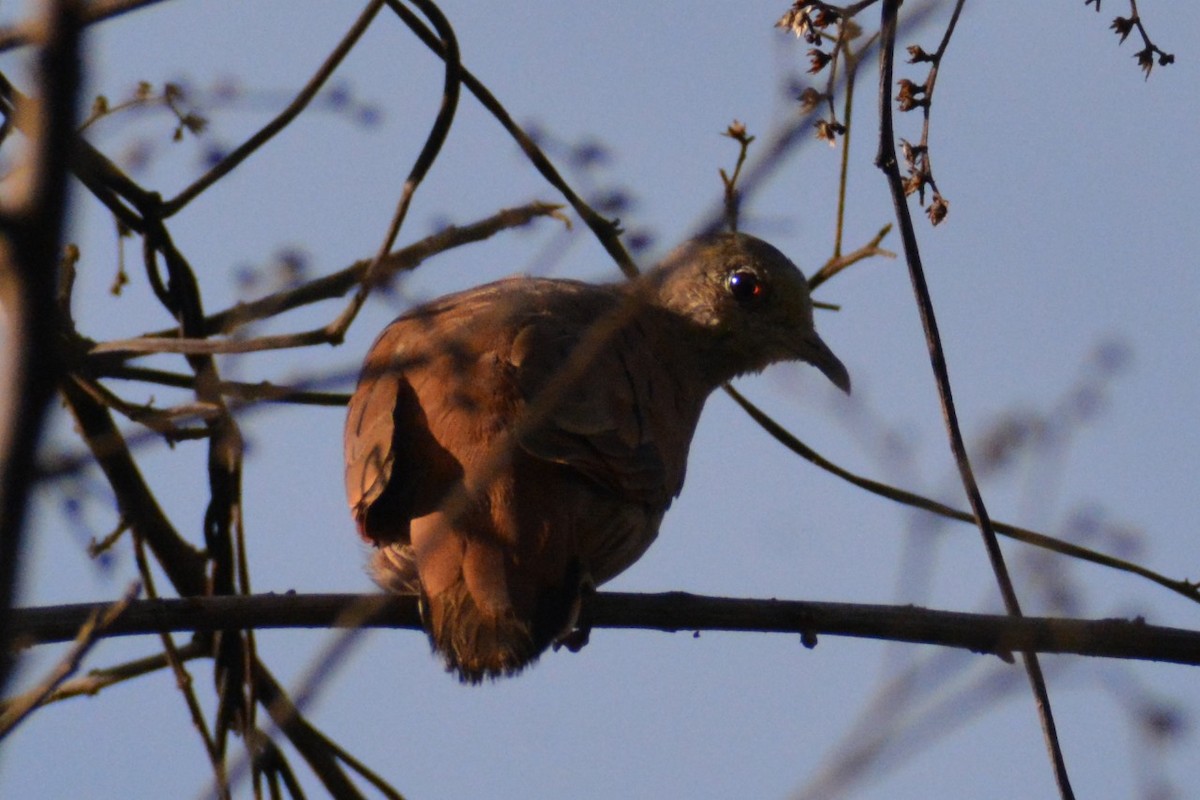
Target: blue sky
1073, 190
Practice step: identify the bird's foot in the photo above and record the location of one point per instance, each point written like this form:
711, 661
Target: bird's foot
578, 630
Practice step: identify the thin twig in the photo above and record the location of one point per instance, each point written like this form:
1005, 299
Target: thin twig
1185, 588
89, 632
737, 132
183, 679
286, 713
285, 117
97, 680
853, 59
606, 231
408, 258
887, 162
303, 736
162, 421
153, 344
183, 563
839, 262
451, 86
261, 392
368, 774
920, 161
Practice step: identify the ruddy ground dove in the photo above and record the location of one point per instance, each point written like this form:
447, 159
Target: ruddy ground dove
511, 446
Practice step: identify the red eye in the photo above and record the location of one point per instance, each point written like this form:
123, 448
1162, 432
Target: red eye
745, 286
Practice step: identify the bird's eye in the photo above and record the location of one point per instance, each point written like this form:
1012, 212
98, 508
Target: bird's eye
745, 286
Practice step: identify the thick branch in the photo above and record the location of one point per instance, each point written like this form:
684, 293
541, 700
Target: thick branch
31, 219
183, 563
669, 611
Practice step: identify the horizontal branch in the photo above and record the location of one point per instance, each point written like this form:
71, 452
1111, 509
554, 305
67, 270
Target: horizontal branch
669, 611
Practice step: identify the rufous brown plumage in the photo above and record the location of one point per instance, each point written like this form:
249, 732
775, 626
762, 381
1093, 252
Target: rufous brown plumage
510, 446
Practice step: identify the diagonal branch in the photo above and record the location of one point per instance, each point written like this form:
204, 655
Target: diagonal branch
1186, 588
183, 563
91, 631
283, 119
337, 284
451, 86
887, 162
606, 231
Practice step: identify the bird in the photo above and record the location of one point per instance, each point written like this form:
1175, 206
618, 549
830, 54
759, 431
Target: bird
513, 446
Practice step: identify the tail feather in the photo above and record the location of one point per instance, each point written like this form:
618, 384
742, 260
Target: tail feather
394, 569
475, 643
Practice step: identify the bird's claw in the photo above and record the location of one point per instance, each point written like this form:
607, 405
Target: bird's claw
578, 630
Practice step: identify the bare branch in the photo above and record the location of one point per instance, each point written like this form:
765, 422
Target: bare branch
183, 563
89, 632
606, 231
668, 611
247, 148
451, 87
887, 162
97, 680
337, 284
1184, 587
31, 221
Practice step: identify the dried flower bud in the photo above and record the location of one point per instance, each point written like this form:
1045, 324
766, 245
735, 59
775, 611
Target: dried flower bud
829, 130
916, 54
939, 207
912, 152
915, 182
810, 98
1123, 26
1145, 59
825, 17
194, 123
817, 60
796, 20
909, 94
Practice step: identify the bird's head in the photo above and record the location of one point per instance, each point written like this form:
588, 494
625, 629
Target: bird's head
750, 303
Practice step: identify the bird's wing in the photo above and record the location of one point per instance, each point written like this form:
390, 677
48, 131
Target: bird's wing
442, 381
586, 409
370, 427
396, 470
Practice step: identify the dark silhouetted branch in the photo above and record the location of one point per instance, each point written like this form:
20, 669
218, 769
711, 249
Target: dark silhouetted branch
668, 611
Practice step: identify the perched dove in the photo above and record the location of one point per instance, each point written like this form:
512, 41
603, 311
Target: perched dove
513, 445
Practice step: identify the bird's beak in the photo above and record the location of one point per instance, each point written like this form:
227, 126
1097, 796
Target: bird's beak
817, 353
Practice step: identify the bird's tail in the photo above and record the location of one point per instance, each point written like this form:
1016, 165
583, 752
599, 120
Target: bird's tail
473, 642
